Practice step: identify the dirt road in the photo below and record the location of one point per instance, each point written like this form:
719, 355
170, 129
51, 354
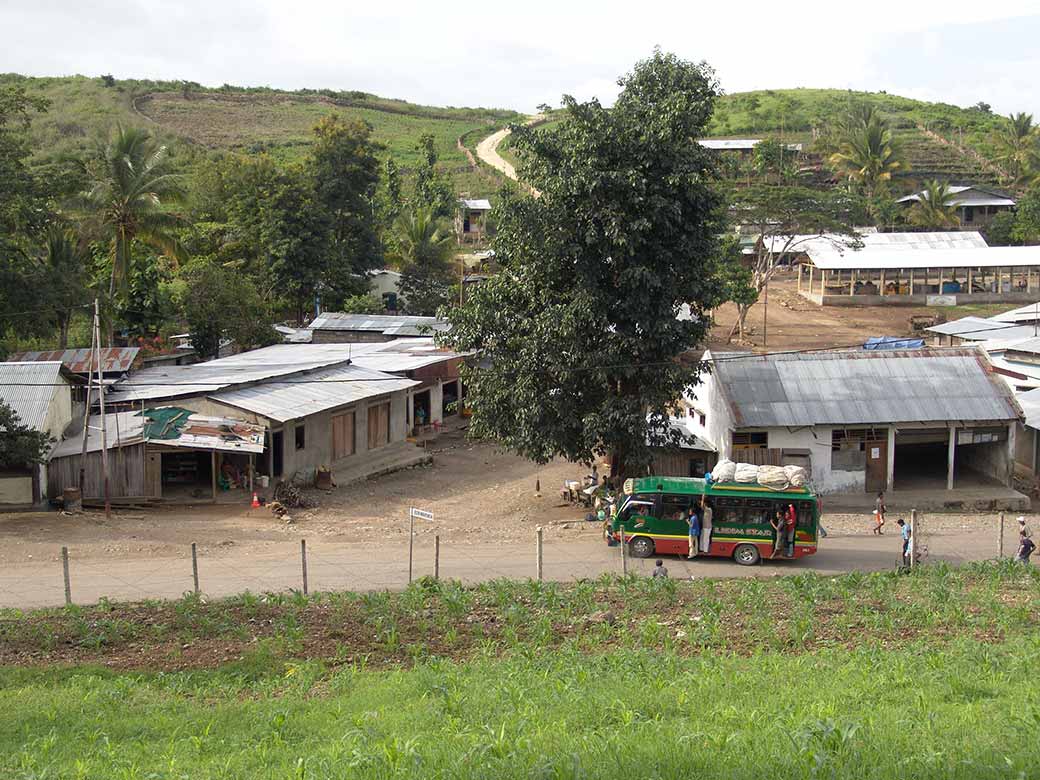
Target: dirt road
487, 150
485, 513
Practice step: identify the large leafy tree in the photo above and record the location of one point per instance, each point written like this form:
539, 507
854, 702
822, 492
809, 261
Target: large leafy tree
424, 251
933, 208
1018, 148
787, 218
220, 303
132, 190
63, 269
867, 153
345, 172
579, 331
432, 190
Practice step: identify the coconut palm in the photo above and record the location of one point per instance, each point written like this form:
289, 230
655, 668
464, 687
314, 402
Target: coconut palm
130, 193
933, 207
867, 152
1018, 148
424, 251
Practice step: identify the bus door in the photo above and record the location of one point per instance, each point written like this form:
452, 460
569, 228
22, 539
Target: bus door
675, 509
637, 512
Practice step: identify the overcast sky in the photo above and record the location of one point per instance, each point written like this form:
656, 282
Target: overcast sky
517, 55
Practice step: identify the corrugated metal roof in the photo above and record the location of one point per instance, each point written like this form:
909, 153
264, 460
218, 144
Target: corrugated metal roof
476, 204
887, 257
387, 324
738, 144
968, 196
29, 388
316, 392
78, 361
1028, 313
873, 241
1030, 403
854, 387
200, 432
982, 326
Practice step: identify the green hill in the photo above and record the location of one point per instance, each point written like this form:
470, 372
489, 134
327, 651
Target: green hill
251, 119
941, 140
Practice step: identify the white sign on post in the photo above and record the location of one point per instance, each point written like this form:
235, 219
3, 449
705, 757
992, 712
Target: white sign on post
414, 513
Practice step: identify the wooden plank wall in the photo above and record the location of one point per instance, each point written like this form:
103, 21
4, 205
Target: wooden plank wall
126, 467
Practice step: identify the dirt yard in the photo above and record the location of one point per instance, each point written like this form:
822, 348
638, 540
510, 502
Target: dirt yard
795, 323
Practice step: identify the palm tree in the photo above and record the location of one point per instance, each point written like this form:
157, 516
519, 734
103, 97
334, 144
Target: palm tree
1018, 145
128, 198
63, 265
867, 152
933, 209
423, 255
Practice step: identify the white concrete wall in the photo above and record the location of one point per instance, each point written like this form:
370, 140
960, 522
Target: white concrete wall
718, 423
379, 284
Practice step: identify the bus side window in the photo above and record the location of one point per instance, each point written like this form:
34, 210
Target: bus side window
728, 510
804, 510
759, 510
675, 507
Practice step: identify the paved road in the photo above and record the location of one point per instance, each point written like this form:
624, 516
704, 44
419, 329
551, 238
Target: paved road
339, 566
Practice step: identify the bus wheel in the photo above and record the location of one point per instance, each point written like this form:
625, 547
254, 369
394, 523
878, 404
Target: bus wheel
641, 547
746, 555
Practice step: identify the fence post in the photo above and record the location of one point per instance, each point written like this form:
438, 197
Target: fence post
437, 557
411, 543
913, 537
65, 571
195, 566
624, 555
538, 554
303, 560
1000, 540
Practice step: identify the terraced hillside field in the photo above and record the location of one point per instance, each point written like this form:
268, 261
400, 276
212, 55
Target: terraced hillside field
84, 109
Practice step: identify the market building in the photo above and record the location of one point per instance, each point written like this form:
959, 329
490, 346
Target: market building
863, 420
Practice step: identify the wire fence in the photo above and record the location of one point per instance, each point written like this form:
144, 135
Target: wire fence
310, 565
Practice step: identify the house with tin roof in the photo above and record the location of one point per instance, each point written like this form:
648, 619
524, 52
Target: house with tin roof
41, 394
863, 420
976, 205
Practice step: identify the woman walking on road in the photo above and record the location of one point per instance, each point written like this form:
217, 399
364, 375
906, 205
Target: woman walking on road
879, 514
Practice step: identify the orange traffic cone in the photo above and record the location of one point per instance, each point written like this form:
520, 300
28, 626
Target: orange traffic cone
256, 501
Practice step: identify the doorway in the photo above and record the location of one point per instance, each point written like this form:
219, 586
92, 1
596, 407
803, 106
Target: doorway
277, 453
378, 425
877, 465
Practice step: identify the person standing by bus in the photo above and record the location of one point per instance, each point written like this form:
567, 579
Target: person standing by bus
879, 514
694, 521
777, 522
790, 522
706, 518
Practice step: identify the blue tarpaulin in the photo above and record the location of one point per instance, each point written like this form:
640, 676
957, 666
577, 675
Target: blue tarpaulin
892, 342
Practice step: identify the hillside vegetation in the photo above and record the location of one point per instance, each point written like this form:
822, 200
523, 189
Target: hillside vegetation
857, 676
940, 140
279, 122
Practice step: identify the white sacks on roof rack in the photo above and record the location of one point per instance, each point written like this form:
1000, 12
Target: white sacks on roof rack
772, 477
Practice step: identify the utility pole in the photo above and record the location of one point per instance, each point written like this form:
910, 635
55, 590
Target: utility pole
101, 396
765, 311
86, 410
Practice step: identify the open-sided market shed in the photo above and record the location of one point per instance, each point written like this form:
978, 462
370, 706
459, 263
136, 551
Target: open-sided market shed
164, 452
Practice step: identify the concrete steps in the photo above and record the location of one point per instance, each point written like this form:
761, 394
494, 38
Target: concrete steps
386, 460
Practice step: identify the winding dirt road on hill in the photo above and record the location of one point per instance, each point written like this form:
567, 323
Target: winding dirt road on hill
487, 150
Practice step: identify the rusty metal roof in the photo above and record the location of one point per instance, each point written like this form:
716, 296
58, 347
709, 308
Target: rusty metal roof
113, 359
854, 387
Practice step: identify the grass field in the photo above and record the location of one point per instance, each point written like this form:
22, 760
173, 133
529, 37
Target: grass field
866, 676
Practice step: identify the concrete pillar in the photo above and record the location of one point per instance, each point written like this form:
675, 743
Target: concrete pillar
911, 281
951, 451
969, 281
799, 277
891, 469
1012, 434
881, 286
437, 402
812, 268
852, 282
